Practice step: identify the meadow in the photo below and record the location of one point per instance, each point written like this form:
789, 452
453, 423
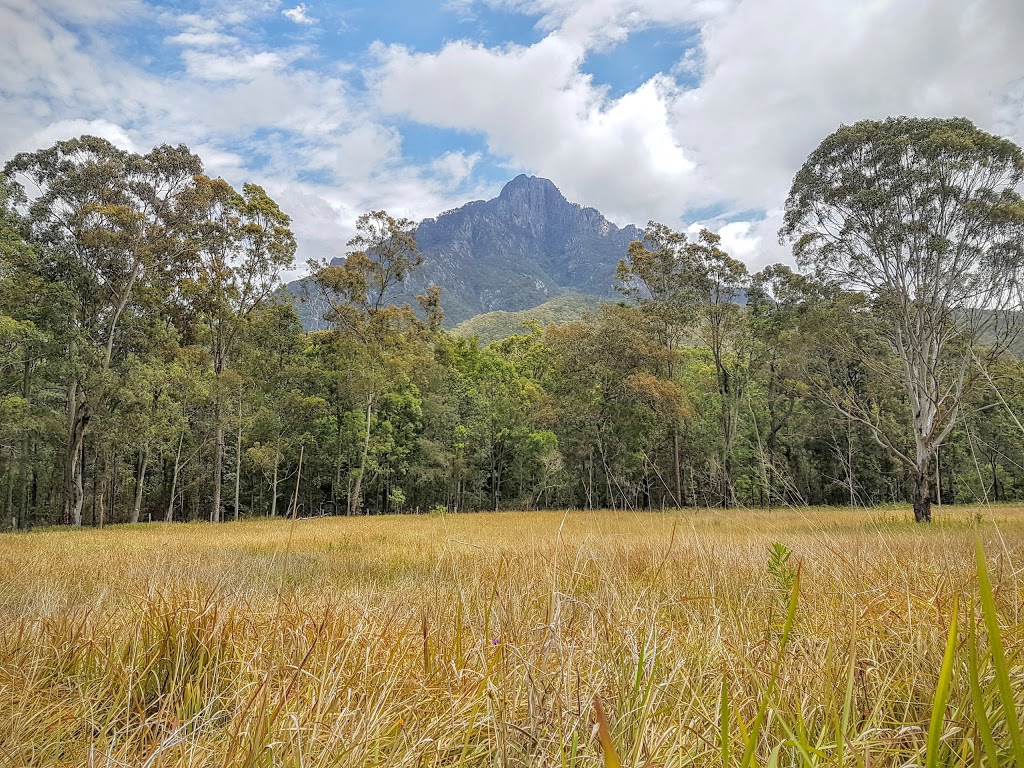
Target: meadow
699, 637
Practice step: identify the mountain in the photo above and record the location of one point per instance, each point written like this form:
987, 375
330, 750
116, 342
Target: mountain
495, 326
517, 251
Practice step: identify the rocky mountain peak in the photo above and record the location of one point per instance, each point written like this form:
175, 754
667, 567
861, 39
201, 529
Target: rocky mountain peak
518, 250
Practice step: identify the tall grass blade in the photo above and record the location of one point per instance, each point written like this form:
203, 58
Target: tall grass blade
995, 642
931, 759
611, 757
723, 720
844, 719
787, 629
977, 696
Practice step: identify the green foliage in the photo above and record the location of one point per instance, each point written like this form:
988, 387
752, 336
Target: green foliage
924, 217
496, 326
148, 369
779, 568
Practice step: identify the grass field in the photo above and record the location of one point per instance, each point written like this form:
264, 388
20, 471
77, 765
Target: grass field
486, 639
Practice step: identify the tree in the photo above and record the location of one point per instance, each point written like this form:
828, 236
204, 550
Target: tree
923, 216
721, 282
242, 242
104, 221
660, 274
385, 336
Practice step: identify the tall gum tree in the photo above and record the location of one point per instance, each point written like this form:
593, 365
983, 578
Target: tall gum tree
372, 317
923, 216
241, 243
660, 275
106, 223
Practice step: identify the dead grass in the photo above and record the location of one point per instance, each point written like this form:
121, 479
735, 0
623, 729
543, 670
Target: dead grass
483, 640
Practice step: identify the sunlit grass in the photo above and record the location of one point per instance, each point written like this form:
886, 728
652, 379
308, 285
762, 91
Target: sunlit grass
486, 640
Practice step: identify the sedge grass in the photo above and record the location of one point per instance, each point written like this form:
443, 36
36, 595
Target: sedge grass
515, 639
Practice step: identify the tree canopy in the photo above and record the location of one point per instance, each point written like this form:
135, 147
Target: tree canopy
924, 216
152, 367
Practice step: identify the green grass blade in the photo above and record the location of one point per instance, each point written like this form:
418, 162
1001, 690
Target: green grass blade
723, 721
931, 759
844, 721
995, 642
604, 735
787, 629
977, 697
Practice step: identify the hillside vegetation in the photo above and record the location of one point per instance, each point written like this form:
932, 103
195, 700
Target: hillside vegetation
476, 640
495, 326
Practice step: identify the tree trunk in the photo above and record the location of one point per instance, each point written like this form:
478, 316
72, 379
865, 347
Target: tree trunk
336, 487
354, 499
678, 470
849, 462
922, 496
140, 480
23, 462
238, 458
10, 495
218, 465
298, 484
101, 481
169, 516
273, 484
74, 492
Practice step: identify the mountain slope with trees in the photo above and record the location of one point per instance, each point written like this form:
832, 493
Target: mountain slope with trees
500, 324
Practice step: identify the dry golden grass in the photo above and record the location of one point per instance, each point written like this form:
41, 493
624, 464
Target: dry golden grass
483, 640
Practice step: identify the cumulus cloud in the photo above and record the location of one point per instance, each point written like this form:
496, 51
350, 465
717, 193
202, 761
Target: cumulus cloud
62, 130
216, 66
766, 100
536, 107
200, 39
456, 166
300, 15
773, 77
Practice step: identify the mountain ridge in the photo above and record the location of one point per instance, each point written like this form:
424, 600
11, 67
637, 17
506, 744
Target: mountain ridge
516, 251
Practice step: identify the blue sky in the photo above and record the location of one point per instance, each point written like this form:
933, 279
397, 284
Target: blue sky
691, 112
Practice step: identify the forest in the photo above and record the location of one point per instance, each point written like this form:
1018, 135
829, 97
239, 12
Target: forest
153, 369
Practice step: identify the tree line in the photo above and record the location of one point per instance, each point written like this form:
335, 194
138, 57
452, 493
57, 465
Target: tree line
151, 367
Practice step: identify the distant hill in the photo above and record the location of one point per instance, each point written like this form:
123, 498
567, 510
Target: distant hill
517, 251
498, 325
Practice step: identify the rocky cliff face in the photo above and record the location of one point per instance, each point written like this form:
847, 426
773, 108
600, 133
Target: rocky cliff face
518, 250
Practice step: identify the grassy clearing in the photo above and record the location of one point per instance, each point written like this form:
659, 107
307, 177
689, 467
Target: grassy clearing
484, 639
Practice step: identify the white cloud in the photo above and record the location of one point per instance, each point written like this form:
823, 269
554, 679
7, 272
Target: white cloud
537, 108
228, 66
602, 23
201, 39
456, 166
300, 15
69, 129
776, 76
766, 100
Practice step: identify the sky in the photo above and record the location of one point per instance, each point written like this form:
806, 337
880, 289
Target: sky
688, 112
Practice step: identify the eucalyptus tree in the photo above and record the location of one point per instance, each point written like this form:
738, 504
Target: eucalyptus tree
923, 216
106, 224
780, 305
241, 242
660, 274
720, 283
380, 332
